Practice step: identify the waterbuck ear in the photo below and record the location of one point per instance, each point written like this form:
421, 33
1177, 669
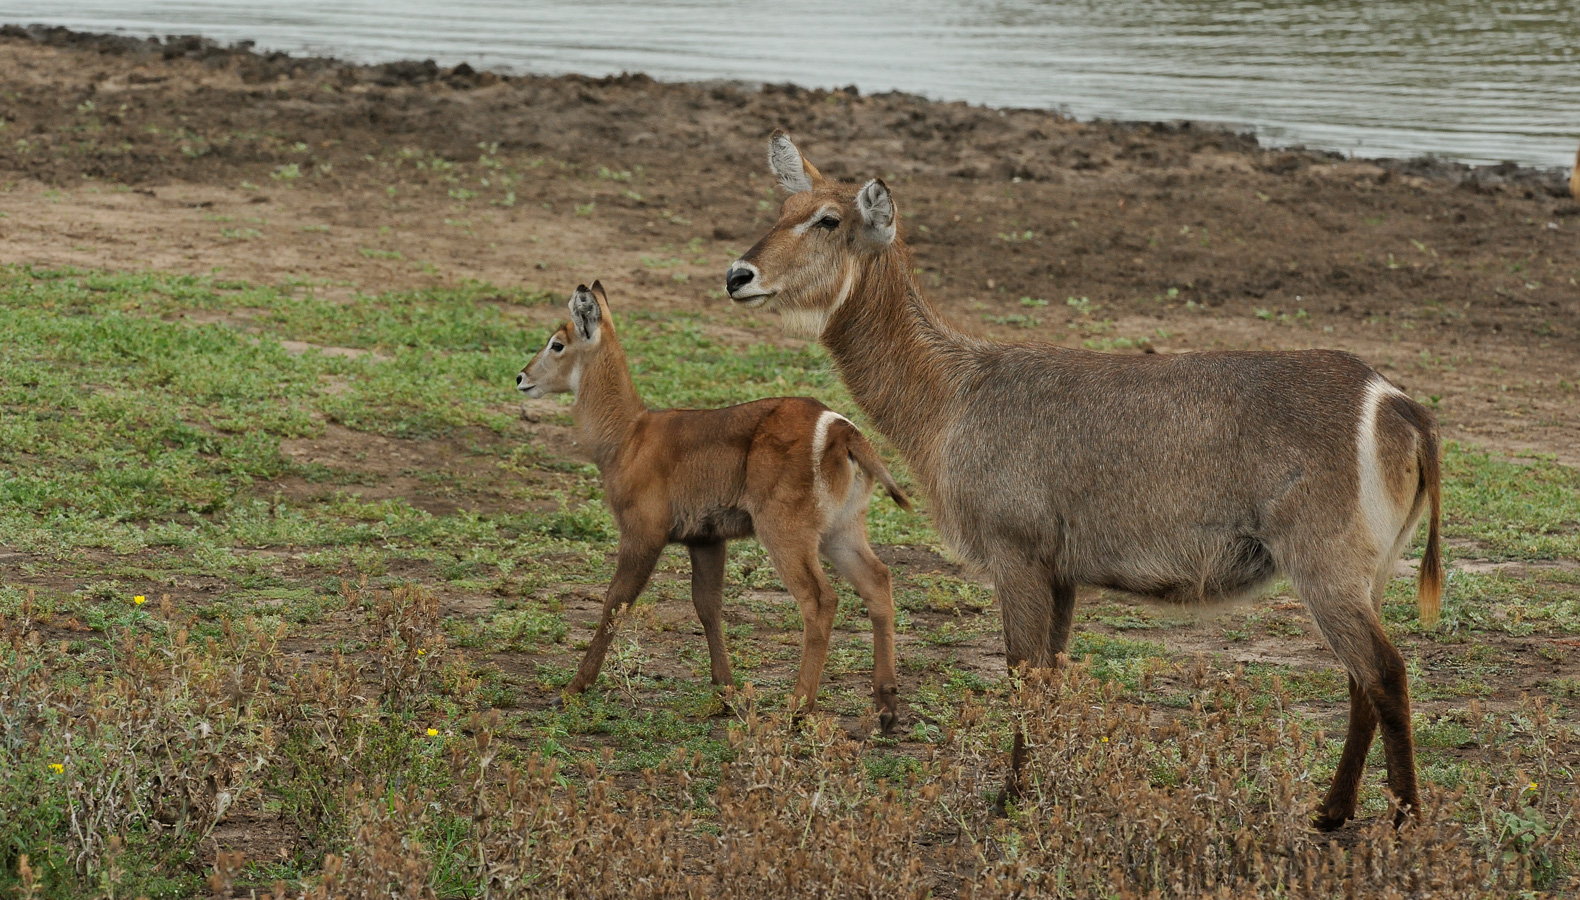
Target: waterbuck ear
877, 210
795, 174
597, 288
585, 313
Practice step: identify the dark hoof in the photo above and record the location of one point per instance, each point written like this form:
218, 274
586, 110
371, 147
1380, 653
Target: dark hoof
888, 720
1328, 822
1405, 815
559, 699
1001, 804
1010, 793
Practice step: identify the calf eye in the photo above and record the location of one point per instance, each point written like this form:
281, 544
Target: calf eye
828, 222
556, 346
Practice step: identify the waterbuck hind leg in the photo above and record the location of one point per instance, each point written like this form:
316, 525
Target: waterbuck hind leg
1341, 604
1338, 806
707, 595
633, 567
1061, 619
854, 560
1390, 696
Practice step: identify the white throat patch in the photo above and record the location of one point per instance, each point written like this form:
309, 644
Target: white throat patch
809, 323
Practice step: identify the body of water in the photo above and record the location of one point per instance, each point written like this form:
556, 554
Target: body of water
1474, 80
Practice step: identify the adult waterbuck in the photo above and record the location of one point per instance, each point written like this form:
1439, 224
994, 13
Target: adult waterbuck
1192, 478
789, 469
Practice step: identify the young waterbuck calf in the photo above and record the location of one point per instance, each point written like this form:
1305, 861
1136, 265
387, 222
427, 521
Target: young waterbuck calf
1192, 478
788, 469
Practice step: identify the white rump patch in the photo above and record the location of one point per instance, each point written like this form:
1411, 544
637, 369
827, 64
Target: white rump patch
1383, 520
819, 446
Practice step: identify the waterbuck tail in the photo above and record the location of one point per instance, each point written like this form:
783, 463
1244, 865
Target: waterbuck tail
1429, 589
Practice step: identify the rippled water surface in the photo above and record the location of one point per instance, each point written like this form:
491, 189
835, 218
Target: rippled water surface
1475, 80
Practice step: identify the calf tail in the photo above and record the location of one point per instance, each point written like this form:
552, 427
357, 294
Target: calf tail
862, 451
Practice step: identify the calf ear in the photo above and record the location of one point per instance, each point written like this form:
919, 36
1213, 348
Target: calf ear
585, 313
795, 174
877, 210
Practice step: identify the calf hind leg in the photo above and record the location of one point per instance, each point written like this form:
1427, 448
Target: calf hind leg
853, 558
795, 558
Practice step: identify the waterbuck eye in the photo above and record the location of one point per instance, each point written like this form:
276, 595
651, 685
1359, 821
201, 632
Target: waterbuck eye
556, 346
828, 222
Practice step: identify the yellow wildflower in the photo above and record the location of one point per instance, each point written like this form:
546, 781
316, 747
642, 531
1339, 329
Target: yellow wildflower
57, 768
1105, 739
1532, 786
421, 651
139, 600
433, 732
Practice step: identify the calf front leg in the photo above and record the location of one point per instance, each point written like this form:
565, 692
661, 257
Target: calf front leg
633, 568
707, 595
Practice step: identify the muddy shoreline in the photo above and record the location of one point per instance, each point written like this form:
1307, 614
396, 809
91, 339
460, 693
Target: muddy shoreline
259, 67
1461, 283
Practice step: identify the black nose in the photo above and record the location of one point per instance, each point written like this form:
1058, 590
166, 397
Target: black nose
738, 278
520, 377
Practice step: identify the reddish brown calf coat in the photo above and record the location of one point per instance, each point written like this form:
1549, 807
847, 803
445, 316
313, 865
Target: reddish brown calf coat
788, 469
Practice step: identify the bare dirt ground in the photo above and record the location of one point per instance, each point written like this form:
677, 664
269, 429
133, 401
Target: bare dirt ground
1461, 285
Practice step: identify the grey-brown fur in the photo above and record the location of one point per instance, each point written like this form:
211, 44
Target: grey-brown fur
1192, 478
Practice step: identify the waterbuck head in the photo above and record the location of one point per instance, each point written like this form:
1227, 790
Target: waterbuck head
809, 262
558, 367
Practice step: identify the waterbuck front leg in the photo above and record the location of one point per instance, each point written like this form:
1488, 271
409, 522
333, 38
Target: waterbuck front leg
637, 556
707, 595
1038, 608
853, 558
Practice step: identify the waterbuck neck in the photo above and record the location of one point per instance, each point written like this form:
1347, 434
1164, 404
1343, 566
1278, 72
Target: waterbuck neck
607, 405
898, 356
